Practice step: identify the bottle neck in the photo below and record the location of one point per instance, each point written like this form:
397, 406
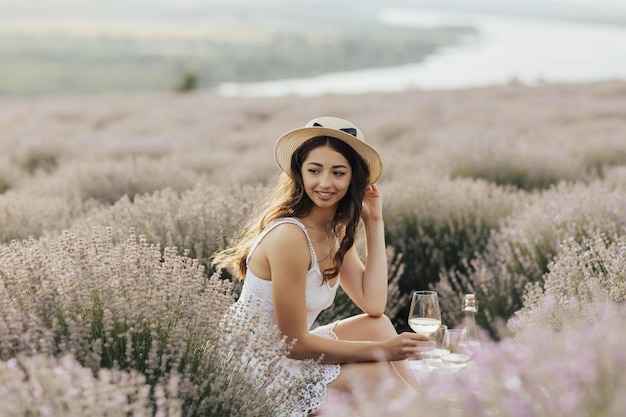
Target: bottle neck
469, 309
469, 318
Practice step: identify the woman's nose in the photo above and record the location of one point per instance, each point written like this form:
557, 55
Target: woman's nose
325, 180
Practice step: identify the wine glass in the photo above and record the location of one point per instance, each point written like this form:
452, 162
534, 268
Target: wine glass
433, 357
425, 316
455, 342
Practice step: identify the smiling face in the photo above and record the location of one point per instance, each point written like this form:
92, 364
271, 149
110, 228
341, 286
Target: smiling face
326, 174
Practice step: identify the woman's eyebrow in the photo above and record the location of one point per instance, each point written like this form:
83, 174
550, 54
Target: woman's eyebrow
321, 166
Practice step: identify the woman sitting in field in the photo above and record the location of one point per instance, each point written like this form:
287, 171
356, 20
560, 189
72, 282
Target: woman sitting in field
294, 257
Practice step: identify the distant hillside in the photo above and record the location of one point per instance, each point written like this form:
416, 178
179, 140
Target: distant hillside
74, 64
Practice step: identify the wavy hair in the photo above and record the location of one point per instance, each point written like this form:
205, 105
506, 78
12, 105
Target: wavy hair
289, 199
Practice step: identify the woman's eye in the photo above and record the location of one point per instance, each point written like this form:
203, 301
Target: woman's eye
313, 171
340, 174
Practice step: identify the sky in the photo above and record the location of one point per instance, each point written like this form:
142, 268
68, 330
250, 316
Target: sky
38, 6
198, 18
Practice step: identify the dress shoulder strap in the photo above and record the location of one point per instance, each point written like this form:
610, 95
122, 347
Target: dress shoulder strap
280, 221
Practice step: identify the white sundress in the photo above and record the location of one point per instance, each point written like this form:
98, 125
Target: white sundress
256, 295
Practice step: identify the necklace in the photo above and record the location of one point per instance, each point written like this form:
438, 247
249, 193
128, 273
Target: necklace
327, 256
326, 237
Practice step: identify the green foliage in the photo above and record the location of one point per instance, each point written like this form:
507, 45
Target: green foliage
344, 307
520, 252
188, 82
437, 224
4, 185
39, 161
10, 172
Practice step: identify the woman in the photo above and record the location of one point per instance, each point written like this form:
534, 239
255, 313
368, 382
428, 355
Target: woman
294, 257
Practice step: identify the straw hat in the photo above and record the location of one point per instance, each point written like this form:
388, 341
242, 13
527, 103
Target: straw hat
334, 127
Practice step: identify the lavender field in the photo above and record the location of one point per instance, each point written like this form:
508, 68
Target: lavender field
112, 205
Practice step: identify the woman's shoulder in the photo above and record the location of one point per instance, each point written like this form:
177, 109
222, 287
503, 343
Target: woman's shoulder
288, 220
285, 241
285, 231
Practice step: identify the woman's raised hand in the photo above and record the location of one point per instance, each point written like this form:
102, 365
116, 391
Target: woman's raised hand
372, 203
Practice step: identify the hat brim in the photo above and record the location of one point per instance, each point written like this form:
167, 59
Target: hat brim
287, 144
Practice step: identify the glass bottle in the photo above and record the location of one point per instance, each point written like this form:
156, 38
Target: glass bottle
469, 308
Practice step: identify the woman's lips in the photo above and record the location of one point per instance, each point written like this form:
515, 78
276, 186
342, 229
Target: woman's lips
324, 195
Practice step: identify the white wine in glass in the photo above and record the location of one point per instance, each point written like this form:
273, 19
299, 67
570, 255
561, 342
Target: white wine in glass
425, 314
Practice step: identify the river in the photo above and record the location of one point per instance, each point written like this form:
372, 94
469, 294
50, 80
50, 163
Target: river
506, 49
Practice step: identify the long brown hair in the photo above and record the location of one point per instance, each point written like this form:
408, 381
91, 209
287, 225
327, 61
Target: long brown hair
290, 200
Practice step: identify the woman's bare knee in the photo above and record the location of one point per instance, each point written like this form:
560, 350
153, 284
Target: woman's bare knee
364, 327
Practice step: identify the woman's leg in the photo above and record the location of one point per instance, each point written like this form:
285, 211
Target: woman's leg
364, 327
